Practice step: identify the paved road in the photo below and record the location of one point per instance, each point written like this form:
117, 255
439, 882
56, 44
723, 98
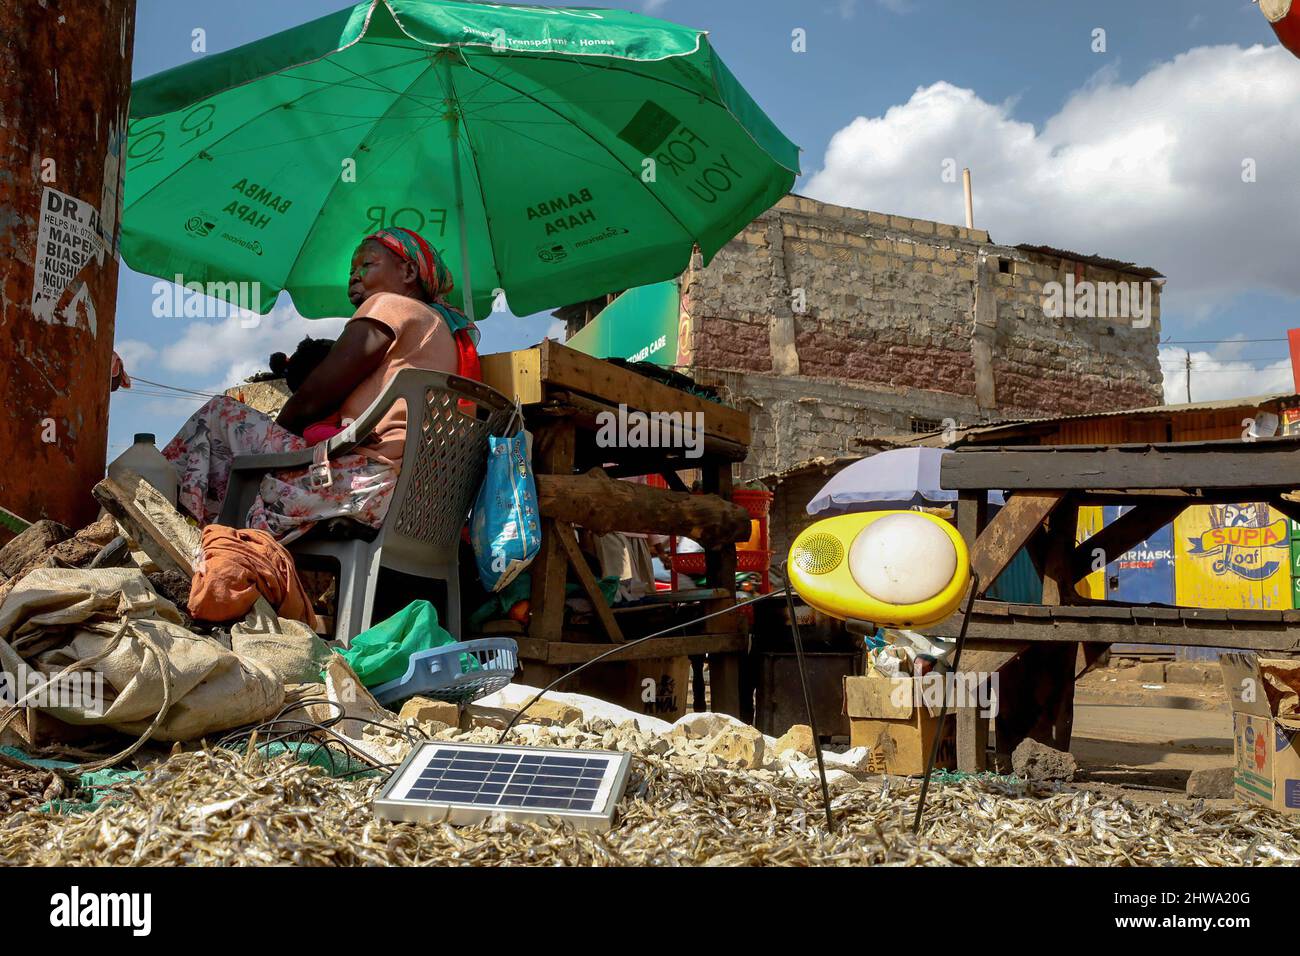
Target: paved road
1152, 746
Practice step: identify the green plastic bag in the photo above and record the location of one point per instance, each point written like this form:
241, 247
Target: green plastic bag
381, 653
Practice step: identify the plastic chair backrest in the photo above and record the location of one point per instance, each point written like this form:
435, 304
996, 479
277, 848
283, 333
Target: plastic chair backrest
446, 454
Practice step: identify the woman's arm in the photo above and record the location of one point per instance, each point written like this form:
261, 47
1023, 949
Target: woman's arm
357, 353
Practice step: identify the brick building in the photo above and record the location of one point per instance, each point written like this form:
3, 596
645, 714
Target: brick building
833, 325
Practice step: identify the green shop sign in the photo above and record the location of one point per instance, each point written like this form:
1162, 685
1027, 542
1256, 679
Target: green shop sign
640, 326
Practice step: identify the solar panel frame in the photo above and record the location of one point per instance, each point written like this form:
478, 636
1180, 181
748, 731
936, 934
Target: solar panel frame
465, 784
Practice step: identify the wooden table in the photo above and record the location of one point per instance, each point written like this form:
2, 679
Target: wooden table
565, 395
1054, 642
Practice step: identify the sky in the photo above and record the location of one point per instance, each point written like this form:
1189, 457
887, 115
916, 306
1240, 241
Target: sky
1161, 132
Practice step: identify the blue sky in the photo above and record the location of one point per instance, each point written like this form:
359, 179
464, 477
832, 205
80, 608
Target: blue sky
1133, 152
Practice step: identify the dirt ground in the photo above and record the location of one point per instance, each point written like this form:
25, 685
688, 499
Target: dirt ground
1135, 730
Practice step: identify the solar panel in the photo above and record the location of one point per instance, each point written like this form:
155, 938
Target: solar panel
464, 784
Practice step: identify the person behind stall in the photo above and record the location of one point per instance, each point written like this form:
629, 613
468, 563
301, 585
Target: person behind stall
398, 284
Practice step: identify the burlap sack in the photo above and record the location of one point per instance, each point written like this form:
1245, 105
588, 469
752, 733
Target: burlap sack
161, 681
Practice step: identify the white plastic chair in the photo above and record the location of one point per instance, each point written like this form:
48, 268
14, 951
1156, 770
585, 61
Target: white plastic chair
442, 469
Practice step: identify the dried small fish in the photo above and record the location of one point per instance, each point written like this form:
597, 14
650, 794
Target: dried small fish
215, 807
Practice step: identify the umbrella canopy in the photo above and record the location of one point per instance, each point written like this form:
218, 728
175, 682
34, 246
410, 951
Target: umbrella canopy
899, 478
553, 154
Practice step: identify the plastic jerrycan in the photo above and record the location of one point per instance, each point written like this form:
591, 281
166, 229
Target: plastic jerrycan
147, 461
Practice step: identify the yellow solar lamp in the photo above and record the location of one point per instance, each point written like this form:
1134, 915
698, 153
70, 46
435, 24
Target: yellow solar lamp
892, 568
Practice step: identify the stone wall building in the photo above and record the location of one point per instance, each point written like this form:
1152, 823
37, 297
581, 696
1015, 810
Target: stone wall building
833, 325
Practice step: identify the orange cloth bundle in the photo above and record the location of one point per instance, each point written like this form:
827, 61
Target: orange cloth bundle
239, 564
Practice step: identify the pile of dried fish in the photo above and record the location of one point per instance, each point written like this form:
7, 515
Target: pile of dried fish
218, 807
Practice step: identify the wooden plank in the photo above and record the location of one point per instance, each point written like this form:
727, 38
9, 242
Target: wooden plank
972, 727
1029, 610
587, 412
1278, 638
1155, 612
516, 374
570, 653
726, 680
567, 368
151, 522
1203, 614
564, 533
1253, 614
599, 503
1008, 531
1249, 466
553, 454
1092, 612
724, 685
972, 515
1124, 533
1058, 583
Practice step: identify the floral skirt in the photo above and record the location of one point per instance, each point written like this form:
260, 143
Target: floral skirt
287, 504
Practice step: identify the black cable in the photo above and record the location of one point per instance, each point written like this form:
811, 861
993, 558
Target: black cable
807, 703
803, 677
943, 709
623, 647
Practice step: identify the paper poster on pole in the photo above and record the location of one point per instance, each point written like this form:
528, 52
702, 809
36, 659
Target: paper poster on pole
68, 236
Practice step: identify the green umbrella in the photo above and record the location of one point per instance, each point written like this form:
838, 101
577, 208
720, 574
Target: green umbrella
550, 154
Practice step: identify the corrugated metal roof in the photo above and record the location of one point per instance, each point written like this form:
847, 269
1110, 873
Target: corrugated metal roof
1219, 405
1100, 261
936, 439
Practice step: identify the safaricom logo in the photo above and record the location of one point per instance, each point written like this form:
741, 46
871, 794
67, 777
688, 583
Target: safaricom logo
1098, 300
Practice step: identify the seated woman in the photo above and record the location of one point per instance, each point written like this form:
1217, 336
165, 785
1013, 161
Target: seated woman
398, 284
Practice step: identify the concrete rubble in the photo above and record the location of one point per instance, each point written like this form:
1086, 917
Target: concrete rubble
1034, 761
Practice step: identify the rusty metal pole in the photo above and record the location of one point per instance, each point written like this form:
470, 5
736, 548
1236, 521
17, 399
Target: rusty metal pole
65, 85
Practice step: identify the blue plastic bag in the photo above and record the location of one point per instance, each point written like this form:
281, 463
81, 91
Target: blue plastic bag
505, 529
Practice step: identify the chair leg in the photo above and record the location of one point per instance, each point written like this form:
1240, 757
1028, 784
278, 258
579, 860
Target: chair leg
354, 601
365, 581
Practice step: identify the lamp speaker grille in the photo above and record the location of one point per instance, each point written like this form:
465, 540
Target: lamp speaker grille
819, 554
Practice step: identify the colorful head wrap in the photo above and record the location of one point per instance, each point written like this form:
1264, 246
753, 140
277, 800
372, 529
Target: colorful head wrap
435, 277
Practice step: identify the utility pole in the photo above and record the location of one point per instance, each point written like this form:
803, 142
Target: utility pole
1189, 375
66, 71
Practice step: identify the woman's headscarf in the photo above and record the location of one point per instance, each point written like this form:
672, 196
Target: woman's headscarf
435, 277
436, 280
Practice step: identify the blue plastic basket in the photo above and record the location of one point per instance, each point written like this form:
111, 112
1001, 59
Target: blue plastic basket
457, 673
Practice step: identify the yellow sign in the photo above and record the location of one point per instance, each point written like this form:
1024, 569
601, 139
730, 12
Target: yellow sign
1232, 556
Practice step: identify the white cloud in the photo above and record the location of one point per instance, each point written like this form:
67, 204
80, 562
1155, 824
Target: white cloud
1217, 377
134, 353
653, 6
847, 9
1149, 172
222, 352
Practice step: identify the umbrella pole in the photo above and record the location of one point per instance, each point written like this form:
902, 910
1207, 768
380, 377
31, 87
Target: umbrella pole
453, 139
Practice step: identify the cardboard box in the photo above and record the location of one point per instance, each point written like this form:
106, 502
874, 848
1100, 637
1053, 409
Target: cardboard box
1266, 729
884, 716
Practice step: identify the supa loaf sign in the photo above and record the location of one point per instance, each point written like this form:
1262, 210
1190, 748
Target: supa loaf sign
1234, 544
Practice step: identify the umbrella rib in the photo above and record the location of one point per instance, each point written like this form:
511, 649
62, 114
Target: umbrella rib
716, 99
265, 112
324, 202
586, 133
487, 219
